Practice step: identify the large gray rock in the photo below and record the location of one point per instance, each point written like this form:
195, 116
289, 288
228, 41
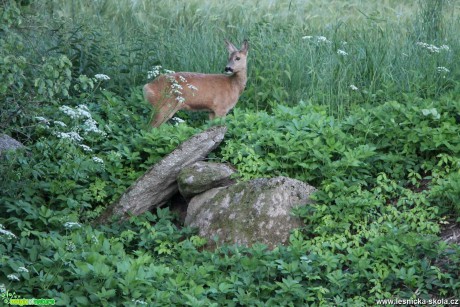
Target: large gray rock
248, 212
8, 143
159, 184
202, 176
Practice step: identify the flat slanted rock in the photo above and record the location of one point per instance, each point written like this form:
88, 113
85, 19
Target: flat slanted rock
202, 176
159, 184
258, 210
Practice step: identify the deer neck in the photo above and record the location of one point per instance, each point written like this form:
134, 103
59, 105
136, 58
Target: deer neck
239, 79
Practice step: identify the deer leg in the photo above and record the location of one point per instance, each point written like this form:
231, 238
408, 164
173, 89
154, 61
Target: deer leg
164, 112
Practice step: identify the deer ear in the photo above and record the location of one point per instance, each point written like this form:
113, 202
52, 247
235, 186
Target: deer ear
245, 46
230, 47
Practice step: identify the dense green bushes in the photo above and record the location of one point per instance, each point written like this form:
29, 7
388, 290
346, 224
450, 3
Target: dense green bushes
376, 133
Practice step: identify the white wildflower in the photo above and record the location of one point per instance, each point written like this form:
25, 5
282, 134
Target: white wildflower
192, 87
70, 225
102, 77
433, 48
442, 69
83, 111
431, 112
5, 232
73, 136
353, 87
59, 123
167, 71
322, 39
70, 246
94, 239
68, 111
22, 269
42, 119
138, 302
341, 52
154, 72
180, 99
90, 125
98, 160
178, 119
182, 79
13, 277
317, 39
444, 47
85, 148
176, 86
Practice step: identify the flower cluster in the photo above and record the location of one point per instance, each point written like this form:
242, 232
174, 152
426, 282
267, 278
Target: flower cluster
73, 136
71, 225
5, 232
154, 72
342, 52
102, 77
433, 48
13, 277
317, 39
442, 69
89, 125
98, 160
80, 111
176, 81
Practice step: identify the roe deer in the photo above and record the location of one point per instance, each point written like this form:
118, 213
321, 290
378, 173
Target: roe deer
216, 93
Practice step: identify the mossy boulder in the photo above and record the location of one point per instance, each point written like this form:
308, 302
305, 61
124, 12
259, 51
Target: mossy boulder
8, 143
258, 210
202, 176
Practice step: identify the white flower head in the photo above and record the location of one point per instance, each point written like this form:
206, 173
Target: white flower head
154, 72
444, 47
442, 69
42, 120
71, 225
73, 136
13, 277
22, 269
102, 77
192, 87
342, 52
433, 48
59, 123
180, 99
140, 302
70, 246
353, 87
90, 125
98, 160
5, 232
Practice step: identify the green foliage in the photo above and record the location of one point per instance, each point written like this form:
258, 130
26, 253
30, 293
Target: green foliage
373, 126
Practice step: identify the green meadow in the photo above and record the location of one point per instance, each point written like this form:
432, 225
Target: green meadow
360, 99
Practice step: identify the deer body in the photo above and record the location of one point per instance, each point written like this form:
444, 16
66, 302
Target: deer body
215, 93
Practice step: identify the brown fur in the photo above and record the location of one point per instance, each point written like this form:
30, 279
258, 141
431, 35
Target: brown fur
216, 93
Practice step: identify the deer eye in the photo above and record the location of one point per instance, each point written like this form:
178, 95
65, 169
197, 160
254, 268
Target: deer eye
237, 58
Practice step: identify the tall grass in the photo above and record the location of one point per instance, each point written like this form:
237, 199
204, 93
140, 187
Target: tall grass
370, 55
